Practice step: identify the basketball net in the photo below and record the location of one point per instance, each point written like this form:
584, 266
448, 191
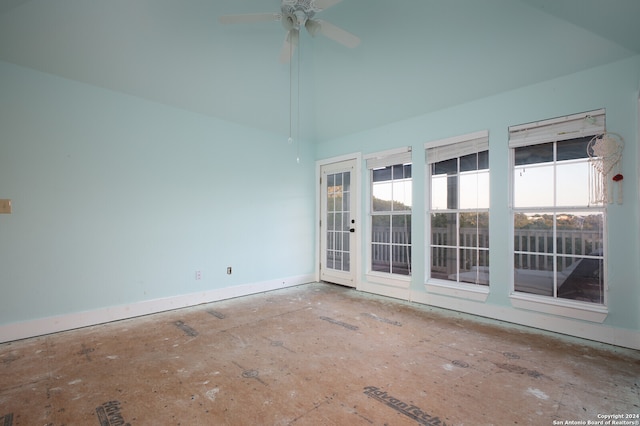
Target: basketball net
605, 153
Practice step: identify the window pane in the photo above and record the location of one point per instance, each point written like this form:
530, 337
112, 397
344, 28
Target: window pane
338, 221
474, 229
582, 279
474, 190
474, 266
580, 233
346, 198
402, 195
443, 229
443, 263
534, 154
401, 260
398, 171
533, 186
346, 262
573, 149
381, 193
337, 261
572, 183
444, 192
382, 174
391, 188
338, 241
346, 181
533, 232
446, 167
533, 274
380, 261
401, 229
469, 162
439, 192
380, 228
330, 257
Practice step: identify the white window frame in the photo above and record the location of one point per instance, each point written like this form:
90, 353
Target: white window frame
555, 130
384, 159
436, 151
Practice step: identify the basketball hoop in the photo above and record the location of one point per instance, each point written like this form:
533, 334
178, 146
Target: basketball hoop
605, 153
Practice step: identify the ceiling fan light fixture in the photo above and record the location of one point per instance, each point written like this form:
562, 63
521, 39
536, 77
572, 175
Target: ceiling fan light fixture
313, 27
289, 21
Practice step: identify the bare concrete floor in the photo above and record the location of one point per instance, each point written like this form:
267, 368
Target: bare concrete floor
317, 354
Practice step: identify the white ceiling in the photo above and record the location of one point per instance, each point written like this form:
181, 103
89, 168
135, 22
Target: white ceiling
416, 56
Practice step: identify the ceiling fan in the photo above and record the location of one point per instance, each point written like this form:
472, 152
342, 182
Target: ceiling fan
293, 15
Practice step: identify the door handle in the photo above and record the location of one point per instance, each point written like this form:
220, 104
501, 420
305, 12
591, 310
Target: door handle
352, 230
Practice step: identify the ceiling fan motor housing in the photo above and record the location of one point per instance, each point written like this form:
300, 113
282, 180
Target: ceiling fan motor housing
296, 13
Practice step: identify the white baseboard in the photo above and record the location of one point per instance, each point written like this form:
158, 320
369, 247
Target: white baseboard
591, 331
42, 326
535, 320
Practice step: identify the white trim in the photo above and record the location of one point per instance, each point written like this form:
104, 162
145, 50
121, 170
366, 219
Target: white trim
478, 293
42, 326
357, 202
387, 291
394, 280
441, 150
561, 307
592, 331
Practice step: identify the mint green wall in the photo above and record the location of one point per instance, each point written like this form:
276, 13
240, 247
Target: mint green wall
118, 200
614, 87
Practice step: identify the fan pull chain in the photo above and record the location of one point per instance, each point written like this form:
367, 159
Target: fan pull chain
298, 106
290, 88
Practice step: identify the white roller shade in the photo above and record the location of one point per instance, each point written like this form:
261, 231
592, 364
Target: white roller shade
458, 146
389, 159
557, 129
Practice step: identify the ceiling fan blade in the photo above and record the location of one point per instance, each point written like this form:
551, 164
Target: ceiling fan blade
334, 33
325, 4
289, 46
249, 18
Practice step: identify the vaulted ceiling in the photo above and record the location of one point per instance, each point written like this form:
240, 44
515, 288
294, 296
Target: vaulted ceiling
416, 56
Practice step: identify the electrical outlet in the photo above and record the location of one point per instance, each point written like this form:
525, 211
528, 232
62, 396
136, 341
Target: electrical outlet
5, 206
228, 270
198, 275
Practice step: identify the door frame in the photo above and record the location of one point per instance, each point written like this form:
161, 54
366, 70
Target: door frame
356, 187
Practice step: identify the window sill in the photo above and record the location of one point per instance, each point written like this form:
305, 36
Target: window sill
565, 308
479, 293
400, 281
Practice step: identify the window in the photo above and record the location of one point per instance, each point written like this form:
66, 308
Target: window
458, 214
558, 229
390, 214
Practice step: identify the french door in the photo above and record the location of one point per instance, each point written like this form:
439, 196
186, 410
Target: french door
338, 223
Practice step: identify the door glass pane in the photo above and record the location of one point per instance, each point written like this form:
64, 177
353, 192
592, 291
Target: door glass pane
338, 219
